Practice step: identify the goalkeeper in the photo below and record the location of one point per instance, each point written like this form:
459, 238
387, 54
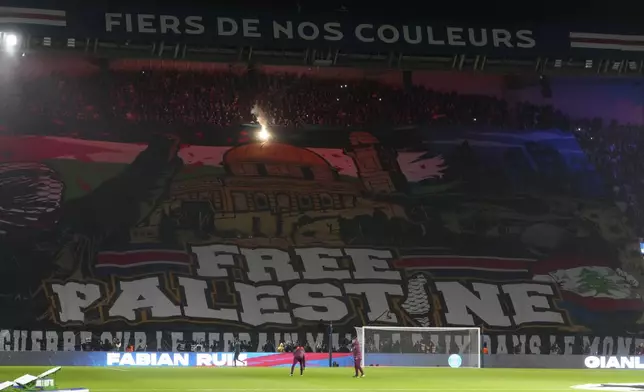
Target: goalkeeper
299, 356
357, 357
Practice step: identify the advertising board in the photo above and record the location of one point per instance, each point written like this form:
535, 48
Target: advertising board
614, 362
203, 359
421, 360
224, 359
263, 359
564, 361
165, 359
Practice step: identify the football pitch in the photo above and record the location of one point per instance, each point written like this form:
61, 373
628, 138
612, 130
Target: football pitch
324, 379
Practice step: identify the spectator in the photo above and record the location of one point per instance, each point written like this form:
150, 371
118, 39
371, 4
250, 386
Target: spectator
269, 347
116, 344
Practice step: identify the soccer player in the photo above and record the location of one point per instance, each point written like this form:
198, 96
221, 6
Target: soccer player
357, 357
299, 356
237, 346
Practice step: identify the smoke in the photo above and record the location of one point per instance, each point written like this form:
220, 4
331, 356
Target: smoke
261, 116
264, 134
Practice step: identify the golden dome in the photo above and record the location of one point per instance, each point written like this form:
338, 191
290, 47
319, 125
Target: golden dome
273, 153
357, 138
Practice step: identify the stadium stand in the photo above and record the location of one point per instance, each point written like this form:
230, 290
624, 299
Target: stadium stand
222, 99
219, 99
132, 105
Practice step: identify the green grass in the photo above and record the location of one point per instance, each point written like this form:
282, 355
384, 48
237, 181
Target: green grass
324, 379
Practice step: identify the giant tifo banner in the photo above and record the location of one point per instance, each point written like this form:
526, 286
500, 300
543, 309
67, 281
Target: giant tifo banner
272, 30
163, 242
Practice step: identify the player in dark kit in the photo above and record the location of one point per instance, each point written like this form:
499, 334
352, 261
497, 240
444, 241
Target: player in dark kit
357, 357
299, 356
237, 348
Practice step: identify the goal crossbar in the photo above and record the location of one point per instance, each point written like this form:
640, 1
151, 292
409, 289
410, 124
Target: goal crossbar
427, 329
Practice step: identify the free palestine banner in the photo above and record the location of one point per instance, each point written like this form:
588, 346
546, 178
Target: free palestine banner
499, 231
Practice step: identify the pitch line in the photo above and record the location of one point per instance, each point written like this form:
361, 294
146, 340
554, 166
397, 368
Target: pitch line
331, 389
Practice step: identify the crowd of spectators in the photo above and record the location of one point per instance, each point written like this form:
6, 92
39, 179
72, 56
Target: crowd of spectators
615, 152
385, 344
224, 99
389, 344
284, 346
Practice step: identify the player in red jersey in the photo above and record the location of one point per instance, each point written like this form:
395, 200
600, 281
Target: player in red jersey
357, 357
299, 356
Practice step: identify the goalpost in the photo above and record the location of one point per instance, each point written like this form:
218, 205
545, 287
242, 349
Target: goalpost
420, 346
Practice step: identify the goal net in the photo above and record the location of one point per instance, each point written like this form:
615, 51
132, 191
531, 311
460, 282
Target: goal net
420, 347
